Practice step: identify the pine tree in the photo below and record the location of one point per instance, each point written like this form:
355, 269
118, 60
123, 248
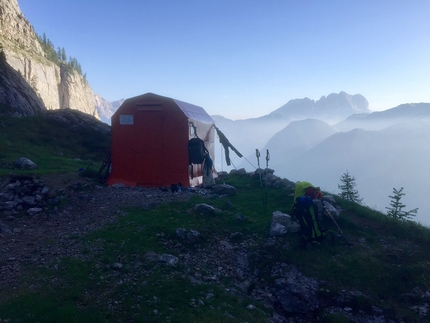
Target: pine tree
395, 211
63, 54
347, 187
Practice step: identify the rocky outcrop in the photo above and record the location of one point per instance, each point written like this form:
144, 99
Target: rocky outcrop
17, 98
58, 87
15, 30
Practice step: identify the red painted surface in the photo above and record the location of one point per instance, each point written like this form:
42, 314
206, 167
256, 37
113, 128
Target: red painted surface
150, 136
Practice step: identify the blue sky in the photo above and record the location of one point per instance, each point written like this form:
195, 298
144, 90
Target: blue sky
244, 58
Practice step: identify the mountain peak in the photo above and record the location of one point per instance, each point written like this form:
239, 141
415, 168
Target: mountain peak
330, 108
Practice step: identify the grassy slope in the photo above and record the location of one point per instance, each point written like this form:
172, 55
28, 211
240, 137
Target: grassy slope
48, 143
388, 260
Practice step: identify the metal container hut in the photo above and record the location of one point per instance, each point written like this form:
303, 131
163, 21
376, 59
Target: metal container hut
150, 135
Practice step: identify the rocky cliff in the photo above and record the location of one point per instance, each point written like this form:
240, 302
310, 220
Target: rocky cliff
17, 98
57, 86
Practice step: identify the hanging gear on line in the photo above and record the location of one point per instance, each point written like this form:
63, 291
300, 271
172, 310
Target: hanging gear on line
226, 144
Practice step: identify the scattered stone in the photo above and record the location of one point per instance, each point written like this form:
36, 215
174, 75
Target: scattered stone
206, 209
240, 171
34, 210
277, 229
241, 217
295, 293
4, 228
165, 258
117, 266
224, 189
282, 223
23, 192
24, 163
169, 260
191, 236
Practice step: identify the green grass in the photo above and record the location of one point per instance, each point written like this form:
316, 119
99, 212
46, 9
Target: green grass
393, 260
52, 146
79, 284
388, 259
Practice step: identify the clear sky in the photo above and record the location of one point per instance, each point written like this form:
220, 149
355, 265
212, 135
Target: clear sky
244, 58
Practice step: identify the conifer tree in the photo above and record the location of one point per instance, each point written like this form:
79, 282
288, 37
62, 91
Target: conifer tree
396, 209
347, 188
63, 54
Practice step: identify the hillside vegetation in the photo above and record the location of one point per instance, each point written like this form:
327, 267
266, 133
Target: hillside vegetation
233, 271
57, 140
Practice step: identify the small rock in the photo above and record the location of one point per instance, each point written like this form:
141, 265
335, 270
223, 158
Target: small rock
4, 228
206, 209
117, 266
241, 217
45, 190
34, 210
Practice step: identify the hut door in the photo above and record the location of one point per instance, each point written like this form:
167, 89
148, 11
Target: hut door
149, 141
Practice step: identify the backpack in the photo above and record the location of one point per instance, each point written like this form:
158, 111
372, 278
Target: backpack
306, 213
196, 152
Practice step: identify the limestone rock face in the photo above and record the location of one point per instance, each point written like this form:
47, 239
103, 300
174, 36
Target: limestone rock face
17, 98
15, 28
57, 86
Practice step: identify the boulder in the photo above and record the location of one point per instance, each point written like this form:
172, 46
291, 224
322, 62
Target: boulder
206, 209
24, 163
277, 229
224, 189
282, 223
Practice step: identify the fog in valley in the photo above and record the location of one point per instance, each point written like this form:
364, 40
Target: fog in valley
382, 150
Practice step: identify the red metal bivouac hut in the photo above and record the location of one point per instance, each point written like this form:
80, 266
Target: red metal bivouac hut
150, 135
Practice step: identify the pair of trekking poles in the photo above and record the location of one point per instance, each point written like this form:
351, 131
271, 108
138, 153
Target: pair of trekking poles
263, 195
337, 225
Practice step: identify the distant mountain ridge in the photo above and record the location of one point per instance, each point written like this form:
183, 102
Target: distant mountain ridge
105, 108
333, 108
382, 119
382, 150
250, 134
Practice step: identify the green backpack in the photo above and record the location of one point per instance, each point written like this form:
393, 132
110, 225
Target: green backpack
306, 213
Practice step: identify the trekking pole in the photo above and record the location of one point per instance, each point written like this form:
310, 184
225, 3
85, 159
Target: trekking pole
334, 221
257, 153
265, 173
